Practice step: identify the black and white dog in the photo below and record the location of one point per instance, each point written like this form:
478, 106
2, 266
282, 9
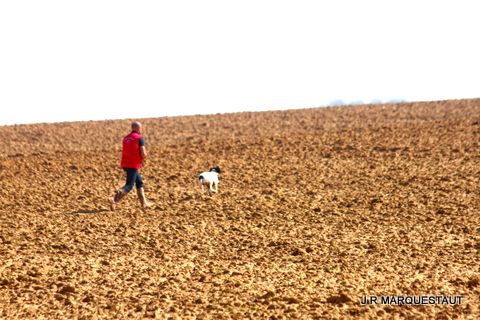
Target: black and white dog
210, 179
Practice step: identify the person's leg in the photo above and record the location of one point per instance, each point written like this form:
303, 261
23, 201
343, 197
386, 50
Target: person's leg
131, 176
141, 191
139, 180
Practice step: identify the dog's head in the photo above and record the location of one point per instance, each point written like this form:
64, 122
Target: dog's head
215, 169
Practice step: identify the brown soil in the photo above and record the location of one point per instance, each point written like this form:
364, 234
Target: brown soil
316, 209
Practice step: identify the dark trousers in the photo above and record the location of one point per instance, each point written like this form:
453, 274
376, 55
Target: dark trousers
133, 178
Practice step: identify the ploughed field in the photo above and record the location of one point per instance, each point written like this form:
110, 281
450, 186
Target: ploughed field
316, 209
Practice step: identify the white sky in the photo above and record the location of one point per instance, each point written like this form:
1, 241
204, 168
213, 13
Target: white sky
90, 60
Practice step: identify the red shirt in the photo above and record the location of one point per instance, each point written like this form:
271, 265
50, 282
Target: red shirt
131, 156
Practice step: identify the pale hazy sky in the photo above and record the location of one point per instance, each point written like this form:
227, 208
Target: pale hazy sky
90, 60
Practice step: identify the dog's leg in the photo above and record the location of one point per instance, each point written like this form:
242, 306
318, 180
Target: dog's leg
210, 190
216, 187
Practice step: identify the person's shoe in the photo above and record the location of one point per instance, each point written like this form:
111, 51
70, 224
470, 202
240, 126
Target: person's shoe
116, 198
112, 203
143, 200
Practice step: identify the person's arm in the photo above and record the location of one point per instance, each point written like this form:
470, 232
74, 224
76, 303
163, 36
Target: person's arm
143, 152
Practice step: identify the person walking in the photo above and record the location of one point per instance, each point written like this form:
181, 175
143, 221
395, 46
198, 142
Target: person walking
133, 156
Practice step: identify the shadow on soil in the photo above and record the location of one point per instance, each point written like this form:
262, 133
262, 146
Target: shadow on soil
93, 211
